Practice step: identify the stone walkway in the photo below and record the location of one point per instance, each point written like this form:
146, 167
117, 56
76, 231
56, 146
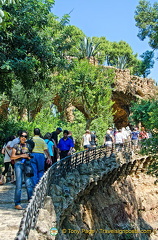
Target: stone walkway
9, 217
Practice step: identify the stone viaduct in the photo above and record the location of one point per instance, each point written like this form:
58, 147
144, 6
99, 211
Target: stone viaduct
101, 193
126, 88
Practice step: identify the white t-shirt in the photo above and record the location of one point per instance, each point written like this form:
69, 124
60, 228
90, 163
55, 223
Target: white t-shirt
119, 137
86, 139
8, 152
125, 134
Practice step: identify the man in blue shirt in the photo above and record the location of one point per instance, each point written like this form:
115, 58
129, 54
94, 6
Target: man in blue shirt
65, 145
134, 138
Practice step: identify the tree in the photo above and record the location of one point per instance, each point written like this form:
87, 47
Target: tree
140, 113
146, 17
117, 54
2, 3
146, 113
66, 39
102, 49
143, 67
88, 88
24, 54
120, 55
29, 101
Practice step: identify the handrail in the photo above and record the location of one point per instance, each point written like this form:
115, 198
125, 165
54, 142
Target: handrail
53, 175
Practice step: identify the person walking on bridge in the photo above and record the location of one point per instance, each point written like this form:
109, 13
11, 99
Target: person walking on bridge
38, 160
20, 154
65, 145
54, 137
86, 139
119, 140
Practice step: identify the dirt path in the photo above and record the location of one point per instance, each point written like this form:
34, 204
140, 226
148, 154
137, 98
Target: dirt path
9, 217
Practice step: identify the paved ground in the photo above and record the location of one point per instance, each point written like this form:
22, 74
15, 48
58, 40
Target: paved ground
9, 217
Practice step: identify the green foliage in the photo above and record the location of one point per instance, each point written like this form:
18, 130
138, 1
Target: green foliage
154, 114
120, 55
66, 40
146, 113
143, 67
87, 48
1, 15
5, 2
141, 113
30, 101
146, 17
9, 128
102, 49
24, 54
117, 54
87, 87
48, 122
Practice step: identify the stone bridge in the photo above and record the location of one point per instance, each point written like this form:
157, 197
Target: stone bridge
101, 192
126, 88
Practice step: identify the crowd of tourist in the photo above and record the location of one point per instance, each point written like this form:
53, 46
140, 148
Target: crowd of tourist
30, 158
125, 137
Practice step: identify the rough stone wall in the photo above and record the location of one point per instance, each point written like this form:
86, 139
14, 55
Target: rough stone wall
112, 193
129, 88
143, 87
119, 207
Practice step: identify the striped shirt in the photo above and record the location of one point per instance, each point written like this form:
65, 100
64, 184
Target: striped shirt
40, 145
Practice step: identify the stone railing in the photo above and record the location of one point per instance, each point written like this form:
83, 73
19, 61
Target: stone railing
77, 163
78, 184
53, 175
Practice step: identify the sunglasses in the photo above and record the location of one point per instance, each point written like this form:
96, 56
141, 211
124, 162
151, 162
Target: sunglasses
25, 136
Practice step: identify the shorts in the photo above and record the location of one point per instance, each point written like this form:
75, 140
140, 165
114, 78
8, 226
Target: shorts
135, 142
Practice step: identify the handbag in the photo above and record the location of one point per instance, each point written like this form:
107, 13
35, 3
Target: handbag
28, 170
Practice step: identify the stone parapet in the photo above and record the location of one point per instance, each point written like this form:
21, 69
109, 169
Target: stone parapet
72, 204
139, 86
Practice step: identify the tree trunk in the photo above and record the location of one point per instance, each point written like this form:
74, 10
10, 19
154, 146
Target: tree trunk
88, 123
4, 109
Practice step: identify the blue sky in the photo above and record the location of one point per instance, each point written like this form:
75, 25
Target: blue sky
112, 19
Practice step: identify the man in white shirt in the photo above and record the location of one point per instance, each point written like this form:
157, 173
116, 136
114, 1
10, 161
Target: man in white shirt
119, 140
86, 140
